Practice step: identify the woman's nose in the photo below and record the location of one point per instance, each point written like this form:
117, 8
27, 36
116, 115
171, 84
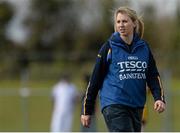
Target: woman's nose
121, 24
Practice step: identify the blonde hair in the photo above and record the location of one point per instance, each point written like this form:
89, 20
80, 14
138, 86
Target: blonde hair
139, 29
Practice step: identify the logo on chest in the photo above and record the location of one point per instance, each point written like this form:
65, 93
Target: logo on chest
133, 68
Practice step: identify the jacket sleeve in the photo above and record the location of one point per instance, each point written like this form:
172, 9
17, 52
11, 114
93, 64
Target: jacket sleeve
96, 80
154, 81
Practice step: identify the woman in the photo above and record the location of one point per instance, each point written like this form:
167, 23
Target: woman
123, 67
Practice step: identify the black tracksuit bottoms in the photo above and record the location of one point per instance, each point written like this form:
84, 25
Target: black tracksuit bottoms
120, 118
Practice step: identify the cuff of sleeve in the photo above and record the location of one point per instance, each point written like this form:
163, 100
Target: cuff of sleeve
88, 110
161, 100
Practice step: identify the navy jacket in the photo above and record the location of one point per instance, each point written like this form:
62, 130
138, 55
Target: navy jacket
121, 74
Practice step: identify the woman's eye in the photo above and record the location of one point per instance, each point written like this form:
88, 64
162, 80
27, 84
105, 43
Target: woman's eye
118, 21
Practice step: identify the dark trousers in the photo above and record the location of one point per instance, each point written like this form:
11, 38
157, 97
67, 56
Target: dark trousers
121, 118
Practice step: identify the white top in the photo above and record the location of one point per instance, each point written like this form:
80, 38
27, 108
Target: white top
64, 95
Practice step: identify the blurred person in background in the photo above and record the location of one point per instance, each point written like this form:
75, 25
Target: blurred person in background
124, 66
64, 96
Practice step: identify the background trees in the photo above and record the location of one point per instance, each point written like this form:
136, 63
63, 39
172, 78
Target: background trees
72, 31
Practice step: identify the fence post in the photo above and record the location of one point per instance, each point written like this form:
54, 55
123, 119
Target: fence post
24, 93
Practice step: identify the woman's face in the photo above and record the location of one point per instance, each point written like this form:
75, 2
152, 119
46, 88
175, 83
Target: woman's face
124, 25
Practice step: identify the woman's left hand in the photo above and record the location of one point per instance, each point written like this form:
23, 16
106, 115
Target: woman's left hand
159, 106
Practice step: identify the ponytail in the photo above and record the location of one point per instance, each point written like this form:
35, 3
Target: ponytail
140, 28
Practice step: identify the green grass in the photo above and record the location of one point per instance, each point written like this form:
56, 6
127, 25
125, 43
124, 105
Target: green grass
168, 120
38, 108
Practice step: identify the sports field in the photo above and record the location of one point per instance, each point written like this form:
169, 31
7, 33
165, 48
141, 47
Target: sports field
33, 113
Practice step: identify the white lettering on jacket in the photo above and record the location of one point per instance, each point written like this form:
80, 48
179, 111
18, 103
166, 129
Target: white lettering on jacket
132, 69
132, 65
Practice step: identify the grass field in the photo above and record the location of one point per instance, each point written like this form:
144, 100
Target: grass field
33, 113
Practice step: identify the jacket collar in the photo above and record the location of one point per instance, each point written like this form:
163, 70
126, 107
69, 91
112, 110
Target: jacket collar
115, 39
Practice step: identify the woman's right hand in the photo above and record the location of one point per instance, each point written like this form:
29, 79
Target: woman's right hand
86, 120
159, 106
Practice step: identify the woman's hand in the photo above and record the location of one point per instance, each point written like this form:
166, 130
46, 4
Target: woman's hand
159, 106
86, 120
